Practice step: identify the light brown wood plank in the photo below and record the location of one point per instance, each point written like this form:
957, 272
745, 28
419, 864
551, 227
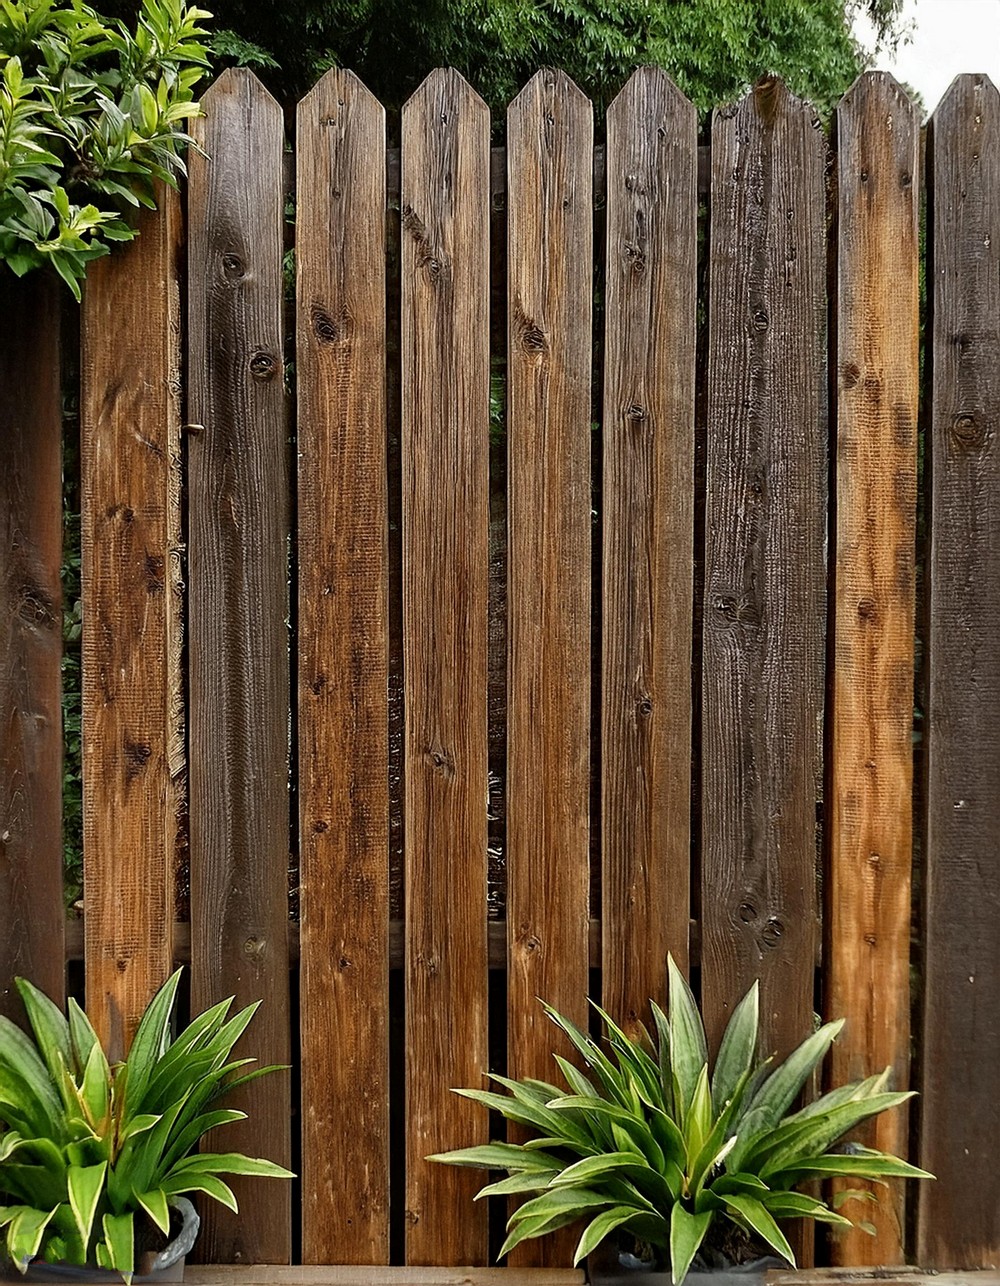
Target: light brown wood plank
959, 1216
342, 666
238, 637
870, 808
648, 489
549, 297
130, 538
257, 1275
32, 916
765, 564
445, 377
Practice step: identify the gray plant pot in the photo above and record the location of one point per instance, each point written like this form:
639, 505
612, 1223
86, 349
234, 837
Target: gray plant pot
605, 1267
163, 1267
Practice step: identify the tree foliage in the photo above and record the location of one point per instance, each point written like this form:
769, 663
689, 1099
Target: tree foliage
713, 49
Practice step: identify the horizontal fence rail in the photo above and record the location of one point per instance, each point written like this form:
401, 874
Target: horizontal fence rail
528, 577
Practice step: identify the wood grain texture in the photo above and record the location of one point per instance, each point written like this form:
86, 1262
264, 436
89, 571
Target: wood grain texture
549, 298
959, 1216
445, 443
870, 806
648, 488
342, 674
32, 916
765, 564
257, 1275
130, 544
238, 606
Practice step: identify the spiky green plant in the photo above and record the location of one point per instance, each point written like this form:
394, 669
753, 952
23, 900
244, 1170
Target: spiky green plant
86, 1147
648, 1141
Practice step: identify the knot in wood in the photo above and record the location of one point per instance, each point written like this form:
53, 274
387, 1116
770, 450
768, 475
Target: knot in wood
319, 826
233, 267
772, 932
324, 327
967, 433
850, 373
760, 320
867, 610
263, 367
137, 755
747, 912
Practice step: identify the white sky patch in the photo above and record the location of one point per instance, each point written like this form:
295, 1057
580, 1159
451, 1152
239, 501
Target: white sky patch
947, 37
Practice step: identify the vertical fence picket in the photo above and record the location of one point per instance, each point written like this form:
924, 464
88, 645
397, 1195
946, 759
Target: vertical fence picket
959, 1216
130, 536
871, 769
549, 301
342, 651
445, 355
765, 566
648, 487
238, 609
31, 896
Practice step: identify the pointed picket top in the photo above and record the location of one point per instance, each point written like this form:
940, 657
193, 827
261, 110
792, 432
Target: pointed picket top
650, 93
769, 100
971, 91
241, 84
442, 86
551, 86
873, 89
337, 94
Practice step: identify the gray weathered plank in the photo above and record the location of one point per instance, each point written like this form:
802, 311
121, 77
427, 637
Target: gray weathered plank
238, 637
445, 443
765, 563
959, 1216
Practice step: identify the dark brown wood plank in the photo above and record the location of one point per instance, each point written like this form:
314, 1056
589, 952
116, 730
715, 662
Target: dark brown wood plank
445, 377
648, 489
549, 297
238, 637
32, 916
871, 771
765, 563
130, 538
959, 1216
342, 692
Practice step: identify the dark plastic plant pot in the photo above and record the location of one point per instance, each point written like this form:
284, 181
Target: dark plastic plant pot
164, 1266
606, 1267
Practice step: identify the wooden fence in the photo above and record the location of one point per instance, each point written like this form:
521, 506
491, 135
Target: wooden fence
723, 470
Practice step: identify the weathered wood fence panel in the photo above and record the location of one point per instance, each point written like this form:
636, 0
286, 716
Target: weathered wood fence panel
765, 563
32, 917
342, 684
549, 300
445, 361
783, 209
648, 484
130, 533
871, 765
238, 634
959, 1109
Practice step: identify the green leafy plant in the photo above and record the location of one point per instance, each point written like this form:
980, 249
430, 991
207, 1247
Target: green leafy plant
650, 1142
91, 115
89, 1151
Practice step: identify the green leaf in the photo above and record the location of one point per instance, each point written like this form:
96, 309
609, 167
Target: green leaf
762, 1222
599, 1228
96, 1089
523, 1181
698, 1122
25, 1233
556, 1201
120, 1240
150, 1042
83, 1038
155, 1205
50, 1028
498, 1156
85, 1185
687, 1232
866, 1165
200, 1181
231, 1163
790, 1143
736, 1053
688, 1047
796, 1205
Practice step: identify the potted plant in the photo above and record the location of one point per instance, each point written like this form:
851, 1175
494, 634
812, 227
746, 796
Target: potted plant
698, 1167
94, 1158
